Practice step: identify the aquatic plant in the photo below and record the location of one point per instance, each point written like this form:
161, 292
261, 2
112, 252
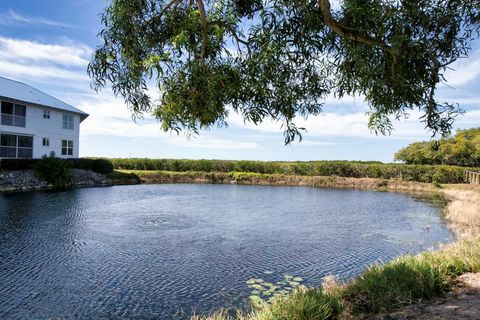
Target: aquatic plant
264, 292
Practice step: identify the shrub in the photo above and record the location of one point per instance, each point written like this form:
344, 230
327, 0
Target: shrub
102, 166
353, 169
82, 163
446, 174
55, 171
17, 164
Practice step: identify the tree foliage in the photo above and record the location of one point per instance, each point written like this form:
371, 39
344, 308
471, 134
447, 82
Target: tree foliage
55, 171
278, 59
463, 149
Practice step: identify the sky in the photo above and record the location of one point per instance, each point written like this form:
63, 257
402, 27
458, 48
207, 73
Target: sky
48, 44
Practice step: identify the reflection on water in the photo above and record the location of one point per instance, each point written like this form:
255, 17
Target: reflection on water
162, 251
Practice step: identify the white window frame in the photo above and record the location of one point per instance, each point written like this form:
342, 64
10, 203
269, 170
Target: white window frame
67, 147
68, 120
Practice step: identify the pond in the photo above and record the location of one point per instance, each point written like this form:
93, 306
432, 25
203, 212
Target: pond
165, 251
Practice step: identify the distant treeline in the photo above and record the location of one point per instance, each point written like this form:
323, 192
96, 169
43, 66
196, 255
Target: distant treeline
354, 169
463, 149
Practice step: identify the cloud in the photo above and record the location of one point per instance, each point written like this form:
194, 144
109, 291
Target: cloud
24, 59
11, 17
17, 70
206, 142
319, 143
354, 125
71, 54
110, 117
464, 71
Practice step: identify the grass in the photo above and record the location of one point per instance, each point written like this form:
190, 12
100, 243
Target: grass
121, 177
409, 279
463, 210
301, 304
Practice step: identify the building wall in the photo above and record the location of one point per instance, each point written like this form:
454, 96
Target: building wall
39, 127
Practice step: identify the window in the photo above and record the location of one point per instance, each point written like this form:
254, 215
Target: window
67, 147
16, 146
68, 122
46, 142
46, 114
13, 114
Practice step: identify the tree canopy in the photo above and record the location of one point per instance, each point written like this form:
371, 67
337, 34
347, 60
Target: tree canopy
278, 59
463, 149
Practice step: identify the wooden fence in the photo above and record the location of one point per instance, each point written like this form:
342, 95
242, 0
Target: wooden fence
472, 177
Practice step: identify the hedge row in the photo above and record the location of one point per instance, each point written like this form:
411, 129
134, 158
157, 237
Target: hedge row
419, 173
103, 166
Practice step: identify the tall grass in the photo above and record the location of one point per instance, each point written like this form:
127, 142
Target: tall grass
463, 211
301, 304
409, 279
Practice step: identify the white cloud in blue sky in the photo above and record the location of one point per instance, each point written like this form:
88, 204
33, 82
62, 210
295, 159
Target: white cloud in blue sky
49, 45
10, 17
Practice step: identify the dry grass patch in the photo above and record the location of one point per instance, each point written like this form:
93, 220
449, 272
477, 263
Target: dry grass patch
463, 211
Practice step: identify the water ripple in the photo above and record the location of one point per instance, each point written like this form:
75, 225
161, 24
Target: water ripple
165, 251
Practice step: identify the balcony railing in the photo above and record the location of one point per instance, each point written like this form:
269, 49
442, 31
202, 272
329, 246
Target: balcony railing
13, 120
16, 152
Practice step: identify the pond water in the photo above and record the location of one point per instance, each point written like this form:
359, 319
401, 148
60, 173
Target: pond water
165, 251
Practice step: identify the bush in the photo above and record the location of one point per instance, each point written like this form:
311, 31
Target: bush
17, 164
55, 171
102, 166
81, 163
353, 169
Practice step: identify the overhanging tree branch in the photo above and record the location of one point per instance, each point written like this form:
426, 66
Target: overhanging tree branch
348, 33
204, 22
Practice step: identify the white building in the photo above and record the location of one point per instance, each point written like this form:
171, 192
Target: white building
34, 124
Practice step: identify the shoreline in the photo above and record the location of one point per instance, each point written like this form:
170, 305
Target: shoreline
26, 180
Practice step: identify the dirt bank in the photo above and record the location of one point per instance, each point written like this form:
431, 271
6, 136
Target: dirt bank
463, 303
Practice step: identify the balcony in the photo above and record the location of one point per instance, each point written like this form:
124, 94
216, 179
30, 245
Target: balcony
13, 120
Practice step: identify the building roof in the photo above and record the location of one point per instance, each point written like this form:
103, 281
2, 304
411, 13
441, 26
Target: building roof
20, 91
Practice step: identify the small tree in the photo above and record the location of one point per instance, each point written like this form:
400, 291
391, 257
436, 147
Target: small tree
55, 171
